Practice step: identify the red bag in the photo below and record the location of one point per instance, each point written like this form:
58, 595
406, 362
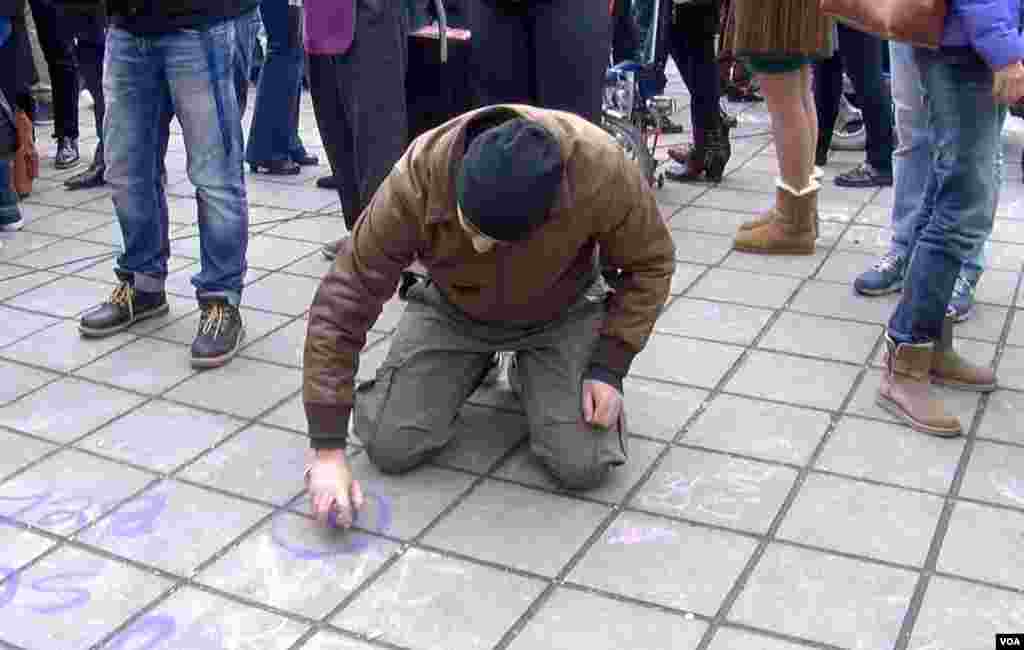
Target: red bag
918, 22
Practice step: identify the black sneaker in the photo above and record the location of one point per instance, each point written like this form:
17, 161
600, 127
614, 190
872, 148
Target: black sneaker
865, 176
124, 308
327, 183
91, 177
220, 334
67, 153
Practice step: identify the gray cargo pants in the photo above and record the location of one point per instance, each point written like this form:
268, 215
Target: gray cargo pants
438, 358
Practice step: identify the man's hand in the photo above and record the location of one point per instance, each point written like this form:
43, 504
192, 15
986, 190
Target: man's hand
331, 486
601, 404
1008, 85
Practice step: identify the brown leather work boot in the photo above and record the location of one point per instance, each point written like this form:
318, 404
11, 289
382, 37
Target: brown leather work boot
790, 225
906, 390
952, 370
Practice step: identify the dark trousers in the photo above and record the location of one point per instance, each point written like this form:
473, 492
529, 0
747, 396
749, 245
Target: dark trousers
359, 103
71, 43
861, 55
625, 35
691, 40
551, 54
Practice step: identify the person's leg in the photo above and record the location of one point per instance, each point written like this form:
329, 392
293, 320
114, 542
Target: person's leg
406, 413
791, 126
499, 53
862, 58
958, 211
246, 27
331, 120
91, 35
911, 163
136, 94
625, 42
58, 48
549, 374
274, 119
828, 89
10, 216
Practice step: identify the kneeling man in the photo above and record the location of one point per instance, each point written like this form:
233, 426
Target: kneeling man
513, 211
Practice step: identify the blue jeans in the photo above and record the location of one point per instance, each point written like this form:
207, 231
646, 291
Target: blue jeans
189, 73
247, 26
9, 212
274, 133
912, 159
956, 214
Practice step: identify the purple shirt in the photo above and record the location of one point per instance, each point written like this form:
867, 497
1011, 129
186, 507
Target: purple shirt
329, 26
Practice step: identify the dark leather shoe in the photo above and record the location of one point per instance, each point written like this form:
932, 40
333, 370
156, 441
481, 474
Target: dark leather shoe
67, 153
304, 159
276, 168
220, 334
91, 177
124, 308
327, 183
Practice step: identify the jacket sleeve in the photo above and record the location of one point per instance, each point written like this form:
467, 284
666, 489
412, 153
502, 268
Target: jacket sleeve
992, 27
636, 240
350, 297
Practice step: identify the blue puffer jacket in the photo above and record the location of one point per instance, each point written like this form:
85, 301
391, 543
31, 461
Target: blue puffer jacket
991, 27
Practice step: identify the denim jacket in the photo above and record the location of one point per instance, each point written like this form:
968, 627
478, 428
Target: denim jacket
990, 27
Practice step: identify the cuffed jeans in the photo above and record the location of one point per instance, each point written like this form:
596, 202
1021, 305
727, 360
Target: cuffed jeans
912, 159
959, 203
9, 212
189, 73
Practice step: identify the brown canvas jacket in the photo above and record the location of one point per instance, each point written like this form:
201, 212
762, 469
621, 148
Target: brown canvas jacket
605, 201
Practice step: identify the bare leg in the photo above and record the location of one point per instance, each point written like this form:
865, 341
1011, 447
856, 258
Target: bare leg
793, 125
810, 108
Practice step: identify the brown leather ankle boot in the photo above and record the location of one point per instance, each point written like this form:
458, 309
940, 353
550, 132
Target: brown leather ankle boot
906, 389
950, 369
789, 227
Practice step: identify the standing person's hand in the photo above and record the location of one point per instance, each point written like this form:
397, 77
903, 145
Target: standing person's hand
333, 488
1008, 85
602, 404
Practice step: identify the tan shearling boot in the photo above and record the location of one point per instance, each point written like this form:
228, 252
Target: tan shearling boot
766, 217
790, 228
952, 370
906, 389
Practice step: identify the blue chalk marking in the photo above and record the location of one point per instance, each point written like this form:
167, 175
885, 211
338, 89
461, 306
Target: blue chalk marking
153, 629
9, 586
141, 522
78, 595
353, 544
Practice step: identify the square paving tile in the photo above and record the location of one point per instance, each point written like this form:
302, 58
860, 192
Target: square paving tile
242, 387
488, 523
960, 403
20, 244
62, 348
986, 323
161, 435
867, 239
19, 451
712, 320
195, 619
17, 280
730, 638
1000, 530
293, 563
284, 346
184, 327
311, 228
68, 256
429, 601
68, 490
959, 615
885, 523
67, 409
684, 276
822, 337
803, 266
284, 294
1001, 419
758, 290
572, 619
762, 429
997, 287
72, 599
698, 248
17, 380
259, 463
716, 489
331, 641
67, 297
807, 382
995, 473
16, 324
482, 436
20, 547
891, 453
174, 526
825, 598
1016, 336
659, 410
665, 562
523, 467
1011, 368
840, 301
708, 220
145, 365
686, 361
69, 222
290, 415
274, 252
843, 267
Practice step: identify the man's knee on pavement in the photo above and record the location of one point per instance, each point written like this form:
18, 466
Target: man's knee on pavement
577, 474
399, 449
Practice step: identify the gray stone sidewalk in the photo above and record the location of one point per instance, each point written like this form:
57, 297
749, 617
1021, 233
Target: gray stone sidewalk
767, 503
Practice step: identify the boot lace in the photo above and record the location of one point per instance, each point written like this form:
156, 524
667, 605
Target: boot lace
887, 263
213, 319
124, 296
962, 288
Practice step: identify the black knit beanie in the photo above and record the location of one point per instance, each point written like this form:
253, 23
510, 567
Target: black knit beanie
510, 178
